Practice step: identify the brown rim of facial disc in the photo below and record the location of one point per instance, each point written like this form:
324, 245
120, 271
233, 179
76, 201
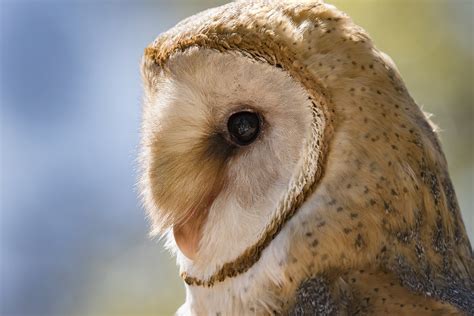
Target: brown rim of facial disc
276, 54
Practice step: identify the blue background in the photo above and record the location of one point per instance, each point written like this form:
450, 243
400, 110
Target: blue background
73, 235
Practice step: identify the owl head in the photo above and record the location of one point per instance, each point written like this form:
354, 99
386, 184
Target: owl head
267, 119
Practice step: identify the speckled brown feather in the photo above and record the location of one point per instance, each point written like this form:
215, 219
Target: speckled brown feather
383, 179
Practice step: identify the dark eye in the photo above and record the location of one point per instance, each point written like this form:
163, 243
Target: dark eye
243, 127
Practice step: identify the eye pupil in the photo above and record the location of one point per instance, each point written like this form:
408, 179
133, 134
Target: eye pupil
243, 127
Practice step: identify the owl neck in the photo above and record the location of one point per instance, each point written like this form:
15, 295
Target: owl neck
265, 286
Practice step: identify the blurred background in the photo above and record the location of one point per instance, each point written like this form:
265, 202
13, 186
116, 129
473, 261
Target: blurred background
73, 236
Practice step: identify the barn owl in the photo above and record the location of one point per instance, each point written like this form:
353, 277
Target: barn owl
291, 172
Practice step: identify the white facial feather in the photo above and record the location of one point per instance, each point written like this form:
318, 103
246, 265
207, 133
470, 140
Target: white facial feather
204, 85
213, 84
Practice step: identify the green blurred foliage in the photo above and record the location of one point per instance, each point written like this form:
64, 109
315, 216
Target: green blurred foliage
144, 280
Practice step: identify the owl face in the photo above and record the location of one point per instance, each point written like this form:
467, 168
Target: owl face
223, 138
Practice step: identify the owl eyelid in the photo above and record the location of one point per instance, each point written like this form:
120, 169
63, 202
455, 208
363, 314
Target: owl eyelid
244, 107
